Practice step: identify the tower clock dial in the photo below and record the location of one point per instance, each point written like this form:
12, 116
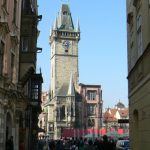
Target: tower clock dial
66, 44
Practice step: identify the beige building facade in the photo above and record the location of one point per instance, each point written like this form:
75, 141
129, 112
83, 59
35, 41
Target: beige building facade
20, 85
9, 57
138, 42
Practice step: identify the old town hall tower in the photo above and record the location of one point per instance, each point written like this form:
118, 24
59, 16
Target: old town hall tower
64, 40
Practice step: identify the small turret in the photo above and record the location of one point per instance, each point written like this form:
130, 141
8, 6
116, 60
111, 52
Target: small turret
55, 24
78, 26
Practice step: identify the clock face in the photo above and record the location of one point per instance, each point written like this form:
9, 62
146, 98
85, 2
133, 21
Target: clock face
66, 44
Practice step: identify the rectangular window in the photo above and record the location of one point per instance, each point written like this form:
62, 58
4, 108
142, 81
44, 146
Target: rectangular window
15, 11
139, 35
91, 95
35, 91
139, 39
24, 44
138, 22
12, 65
5, 3
91, 109
1, 56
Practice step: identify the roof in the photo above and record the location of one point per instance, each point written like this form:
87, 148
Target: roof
110, 114
71, 90
67, 89
63, 90
120, 105
89, 85
64, 19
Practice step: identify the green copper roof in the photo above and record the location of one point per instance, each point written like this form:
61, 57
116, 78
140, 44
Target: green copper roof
64, 19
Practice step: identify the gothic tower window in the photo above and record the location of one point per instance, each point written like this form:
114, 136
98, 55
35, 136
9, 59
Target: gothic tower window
65, 13
62, 112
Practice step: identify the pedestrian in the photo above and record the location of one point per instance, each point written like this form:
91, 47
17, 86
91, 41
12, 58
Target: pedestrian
46, 146
10, 144
106, 145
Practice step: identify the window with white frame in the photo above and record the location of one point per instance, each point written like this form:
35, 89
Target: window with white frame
91, 95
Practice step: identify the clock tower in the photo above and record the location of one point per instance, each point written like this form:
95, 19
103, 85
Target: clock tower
64, 40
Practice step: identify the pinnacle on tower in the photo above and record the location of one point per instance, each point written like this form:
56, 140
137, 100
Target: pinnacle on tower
55, 24
78, 26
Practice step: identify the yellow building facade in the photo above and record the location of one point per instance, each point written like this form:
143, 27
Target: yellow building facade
138, 44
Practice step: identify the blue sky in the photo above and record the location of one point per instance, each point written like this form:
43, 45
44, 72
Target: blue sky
102, 48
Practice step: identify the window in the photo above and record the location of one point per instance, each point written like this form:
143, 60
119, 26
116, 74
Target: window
62, 112
139, 39
15, 11
1, 56
91, 122
91, 109
138, 22
65, 13
24, 44
12, 65
35, 90
139, 35
26, 6
5, 3
91, 95
51, 127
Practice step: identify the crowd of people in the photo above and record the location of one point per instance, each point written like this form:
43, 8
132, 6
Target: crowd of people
103, 143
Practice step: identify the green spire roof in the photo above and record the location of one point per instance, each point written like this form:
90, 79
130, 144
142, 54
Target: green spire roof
64, 18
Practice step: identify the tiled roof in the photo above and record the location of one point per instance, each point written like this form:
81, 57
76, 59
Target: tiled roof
110, 114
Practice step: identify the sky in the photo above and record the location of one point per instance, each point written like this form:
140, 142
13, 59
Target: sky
102, 47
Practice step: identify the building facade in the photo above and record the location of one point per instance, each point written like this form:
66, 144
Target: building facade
65, 108
20, 85
91, 106
138, 44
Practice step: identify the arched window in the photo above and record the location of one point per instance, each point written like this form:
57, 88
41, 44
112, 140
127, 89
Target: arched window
62, 112
135, 132
65, 13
